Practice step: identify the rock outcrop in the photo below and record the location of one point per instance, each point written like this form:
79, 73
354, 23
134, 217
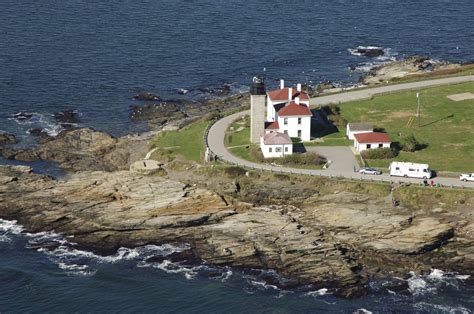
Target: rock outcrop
412, 66
6, 138
336, 241
83, 150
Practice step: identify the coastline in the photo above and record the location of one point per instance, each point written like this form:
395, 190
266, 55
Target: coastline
236, 221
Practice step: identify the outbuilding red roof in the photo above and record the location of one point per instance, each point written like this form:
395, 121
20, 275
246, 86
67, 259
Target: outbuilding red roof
294, 109
372, 137
282, 94
271, 125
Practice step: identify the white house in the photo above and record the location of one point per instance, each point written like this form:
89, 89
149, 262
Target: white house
357, 128
275, 144
364, 141
279, 97
288, 112
294, 119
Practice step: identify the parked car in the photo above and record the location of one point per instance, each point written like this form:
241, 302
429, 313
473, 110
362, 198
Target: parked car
467, 177
370, 171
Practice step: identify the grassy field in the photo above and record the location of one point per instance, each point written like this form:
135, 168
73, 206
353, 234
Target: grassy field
187, 142
238, 133
446, 127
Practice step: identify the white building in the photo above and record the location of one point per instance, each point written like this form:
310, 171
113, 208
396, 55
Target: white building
364, 141
275, 145
357, 128
288, 112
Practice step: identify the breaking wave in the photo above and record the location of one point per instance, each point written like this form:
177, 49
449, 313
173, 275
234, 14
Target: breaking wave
437, 279
45, 122
8, 228
364, 67
62, 251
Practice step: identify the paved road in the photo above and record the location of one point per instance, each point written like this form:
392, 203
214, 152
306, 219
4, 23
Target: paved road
369, 92
216, 136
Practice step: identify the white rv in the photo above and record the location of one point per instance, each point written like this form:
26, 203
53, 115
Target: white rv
409, 169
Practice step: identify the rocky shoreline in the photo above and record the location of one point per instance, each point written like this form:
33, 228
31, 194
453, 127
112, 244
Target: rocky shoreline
314, 232
312, 238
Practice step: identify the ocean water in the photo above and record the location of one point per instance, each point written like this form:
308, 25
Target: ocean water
93, 56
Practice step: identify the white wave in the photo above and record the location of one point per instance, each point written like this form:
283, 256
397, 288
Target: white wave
171, 268
439, 308
263, 285
436, 274
320, 292
462, 277
362, 311
226, 274
8, 228
35, 119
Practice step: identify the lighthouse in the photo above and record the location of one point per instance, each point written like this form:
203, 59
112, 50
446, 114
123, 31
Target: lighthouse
257, 109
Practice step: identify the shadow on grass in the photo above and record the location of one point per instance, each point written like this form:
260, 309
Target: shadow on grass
436, 121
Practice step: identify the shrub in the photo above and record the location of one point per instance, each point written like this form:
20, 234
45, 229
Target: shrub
214, 115
410, 144
281, 177
256, 154
379, 153
296, 140
301, 159
235, 171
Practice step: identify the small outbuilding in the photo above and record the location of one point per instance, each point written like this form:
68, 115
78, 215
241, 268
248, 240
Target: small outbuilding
364, 141
275, 145
358, 128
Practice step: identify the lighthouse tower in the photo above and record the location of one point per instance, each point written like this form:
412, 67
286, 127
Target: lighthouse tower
257, 109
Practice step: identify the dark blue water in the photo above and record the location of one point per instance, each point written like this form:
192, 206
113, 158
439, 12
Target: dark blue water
93, 56
66, 279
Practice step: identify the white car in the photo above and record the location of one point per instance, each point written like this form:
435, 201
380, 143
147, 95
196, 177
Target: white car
370, 171
467, 177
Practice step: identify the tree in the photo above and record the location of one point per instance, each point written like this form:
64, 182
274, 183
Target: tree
410, 144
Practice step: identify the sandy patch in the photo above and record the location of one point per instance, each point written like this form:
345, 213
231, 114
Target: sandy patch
453, 145
461, 97
402, 114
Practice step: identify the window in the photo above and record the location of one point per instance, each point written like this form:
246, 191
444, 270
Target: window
380, 145
397, 168
286, 149
368, 146
285, 121
285, 131
278, 150
299, 133
299, 120
269, 149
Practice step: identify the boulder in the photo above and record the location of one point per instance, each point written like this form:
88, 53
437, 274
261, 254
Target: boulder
67, 117
146, 96
6, 138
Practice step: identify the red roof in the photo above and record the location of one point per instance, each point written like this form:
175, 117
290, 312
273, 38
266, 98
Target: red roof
271, 125
294, 110
372, 137
282, 94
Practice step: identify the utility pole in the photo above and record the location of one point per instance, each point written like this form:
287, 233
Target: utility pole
418, 109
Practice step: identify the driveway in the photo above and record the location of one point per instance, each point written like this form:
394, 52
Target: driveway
341, 157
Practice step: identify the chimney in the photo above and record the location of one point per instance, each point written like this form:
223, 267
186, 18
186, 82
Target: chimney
297, 100
282, 84
290, 93
298, 87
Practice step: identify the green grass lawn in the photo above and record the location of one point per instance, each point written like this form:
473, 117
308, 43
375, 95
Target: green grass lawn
238, 133
187, 142
447, 127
